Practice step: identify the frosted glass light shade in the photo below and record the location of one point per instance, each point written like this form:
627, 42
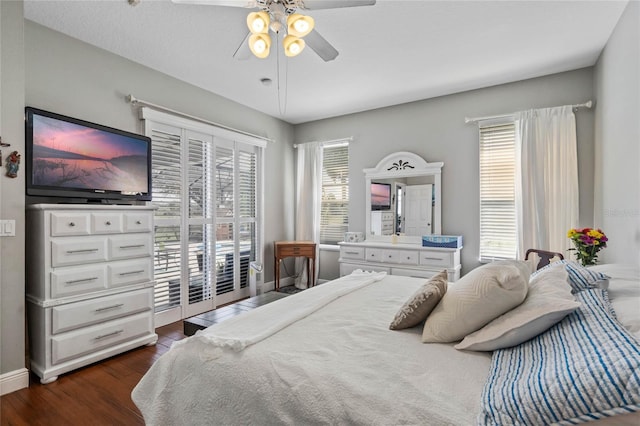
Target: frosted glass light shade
293, 45
299, 25
258, 22
260, 44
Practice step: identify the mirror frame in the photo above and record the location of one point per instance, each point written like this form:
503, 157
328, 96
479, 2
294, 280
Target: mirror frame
403, 165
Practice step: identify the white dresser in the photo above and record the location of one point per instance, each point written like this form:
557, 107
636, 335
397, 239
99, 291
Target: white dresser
89, 284
399, 259
382, 222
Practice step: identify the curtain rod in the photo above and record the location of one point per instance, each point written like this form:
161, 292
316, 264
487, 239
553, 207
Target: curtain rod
347, 139
467, 120
134, 101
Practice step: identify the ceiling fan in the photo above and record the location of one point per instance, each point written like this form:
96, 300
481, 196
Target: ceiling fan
281, 17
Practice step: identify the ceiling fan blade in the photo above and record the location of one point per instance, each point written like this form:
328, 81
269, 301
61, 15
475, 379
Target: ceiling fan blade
322, 47
230, 3
334, 4
243, 52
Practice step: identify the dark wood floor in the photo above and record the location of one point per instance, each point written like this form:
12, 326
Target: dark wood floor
99, 394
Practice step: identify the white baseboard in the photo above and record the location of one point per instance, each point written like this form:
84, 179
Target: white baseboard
14, 380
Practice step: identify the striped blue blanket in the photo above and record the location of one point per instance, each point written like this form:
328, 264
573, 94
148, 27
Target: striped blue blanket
586, 367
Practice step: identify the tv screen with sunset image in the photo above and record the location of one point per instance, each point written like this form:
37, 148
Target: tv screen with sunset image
85, 158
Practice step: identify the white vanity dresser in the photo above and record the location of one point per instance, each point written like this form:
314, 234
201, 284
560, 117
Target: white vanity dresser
399, 259
89, 284
415, 211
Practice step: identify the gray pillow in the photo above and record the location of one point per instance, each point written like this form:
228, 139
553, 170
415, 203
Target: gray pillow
421, 303
477, 298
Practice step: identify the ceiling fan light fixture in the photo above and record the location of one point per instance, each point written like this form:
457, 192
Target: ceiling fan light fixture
299, 25
293, 45
260, 44
258, 22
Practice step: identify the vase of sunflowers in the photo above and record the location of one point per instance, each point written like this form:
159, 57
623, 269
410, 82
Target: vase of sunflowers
588, 242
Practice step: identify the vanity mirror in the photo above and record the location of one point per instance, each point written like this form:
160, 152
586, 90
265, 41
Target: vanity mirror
403, 198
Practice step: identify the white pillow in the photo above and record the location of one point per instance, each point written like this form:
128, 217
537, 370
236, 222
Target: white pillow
548, 301
477, 298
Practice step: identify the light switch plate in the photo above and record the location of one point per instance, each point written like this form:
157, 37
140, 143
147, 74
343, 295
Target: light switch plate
7, 228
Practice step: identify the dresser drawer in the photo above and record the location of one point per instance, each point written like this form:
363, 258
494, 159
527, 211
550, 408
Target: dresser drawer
76, 251
437, 258
78, 280
76, 343
129, 246
82, 314
352, 253
129, 272
138, 222
418, 273
286, 251
67, 224
387, 216
347, 268
106, 223
406, 257
374, 255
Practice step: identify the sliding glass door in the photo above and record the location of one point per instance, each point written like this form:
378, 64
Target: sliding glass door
207, 197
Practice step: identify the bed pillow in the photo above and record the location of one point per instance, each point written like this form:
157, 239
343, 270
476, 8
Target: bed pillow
584, 368
421, 303
549, 300
477, 298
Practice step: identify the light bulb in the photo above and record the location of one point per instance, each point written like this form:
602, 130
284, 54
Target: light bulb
301, 25
258, 25
259, 46
294, 49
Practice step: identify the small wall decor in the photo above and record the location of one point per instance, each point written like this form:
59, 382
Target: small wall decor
13, 163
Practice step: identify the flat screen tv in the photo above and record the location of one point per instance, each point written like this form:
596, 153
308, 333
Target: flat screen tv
72, 158
380, 196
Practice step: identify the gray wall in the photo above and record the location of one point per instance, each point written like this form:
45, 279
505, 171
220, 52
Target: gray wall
617, 130
435, 129
12, 346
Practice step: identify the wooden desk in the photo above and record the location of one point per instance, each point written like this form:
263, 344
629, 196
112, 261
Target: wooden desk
282, 249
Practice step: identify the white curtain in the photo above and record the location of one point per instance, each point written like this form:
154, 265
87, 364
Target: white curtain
546, 178
308, 200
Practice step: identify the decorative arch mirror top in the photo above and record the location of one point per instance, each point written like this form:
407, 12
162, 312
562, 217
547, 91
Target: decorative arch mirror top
403, 198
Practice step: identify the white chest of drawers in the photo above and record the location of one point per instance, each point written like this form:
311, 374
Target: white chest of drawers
399, 259
89, 284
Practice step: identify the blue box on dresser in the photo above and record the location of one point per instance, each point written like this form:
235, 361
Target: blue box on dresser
442, 241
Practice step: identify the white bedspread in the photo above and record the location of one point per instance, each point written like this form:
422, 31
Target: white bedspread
299, 362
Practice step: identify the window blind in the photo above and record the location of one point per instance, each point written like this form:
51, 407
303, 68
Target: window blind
498, 238
334, 213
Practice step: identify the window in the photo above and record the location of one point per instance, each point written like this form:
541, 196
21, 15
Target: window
334, 212
207, 197
498, 238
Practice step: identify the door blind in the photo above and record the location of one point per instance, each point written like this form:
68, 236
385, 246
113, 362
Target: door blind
498, 238
165, 169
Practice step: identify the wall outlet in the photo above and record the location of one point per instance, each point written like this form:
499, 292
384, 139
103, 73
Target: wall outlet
7, 228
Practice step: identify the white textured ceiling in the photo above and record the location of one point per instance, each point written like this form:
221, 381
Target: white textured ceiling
390, 53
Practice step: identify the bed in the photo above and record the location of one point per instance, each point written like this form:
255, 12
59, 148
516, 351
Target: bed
328, 356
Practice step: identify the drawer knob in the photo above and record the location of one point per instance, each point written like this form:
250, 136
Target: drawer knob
138, 222
72, 224
108, 223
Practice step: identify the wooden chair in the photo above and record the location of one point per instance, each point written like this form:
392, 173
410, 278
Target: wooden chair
544, 255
